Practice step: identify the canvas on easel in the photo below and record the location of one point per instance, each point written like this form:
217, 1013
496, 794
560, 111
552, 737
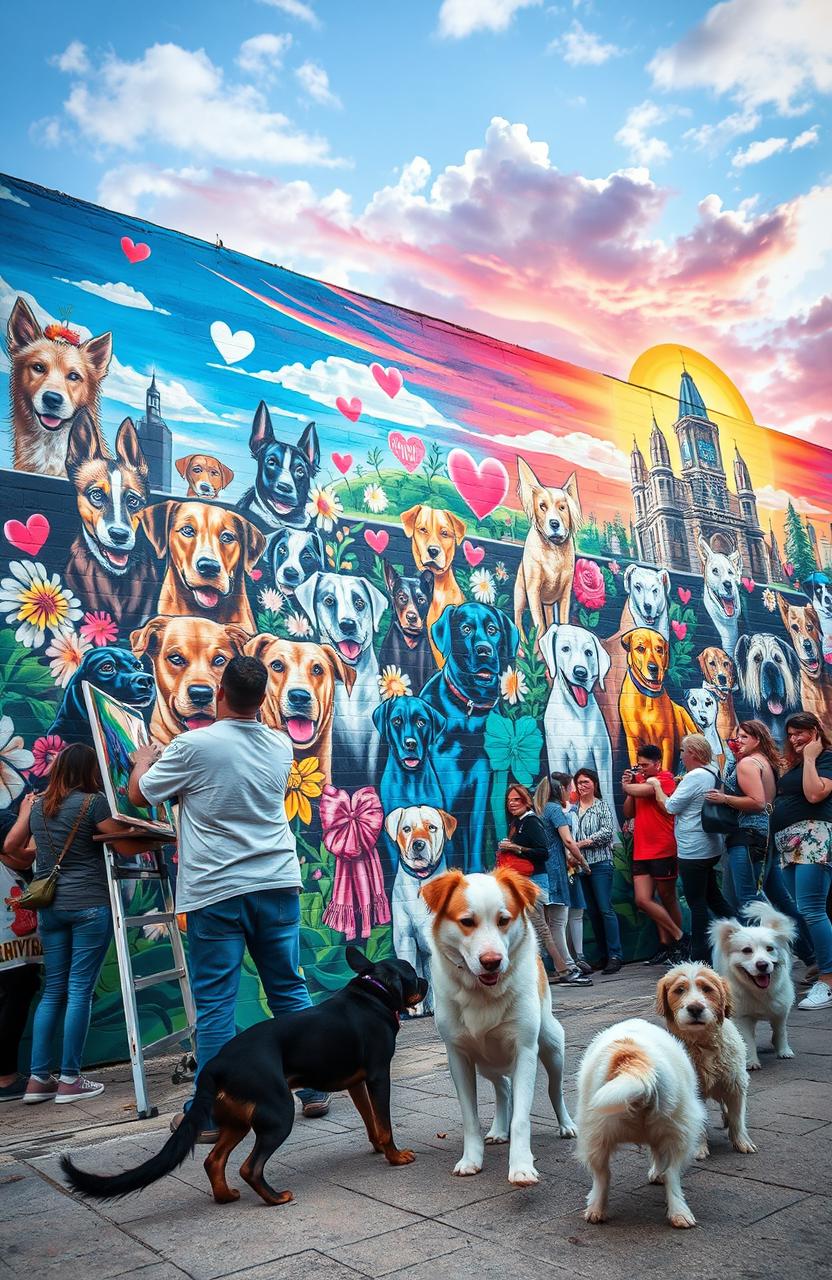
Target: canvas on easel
117, 731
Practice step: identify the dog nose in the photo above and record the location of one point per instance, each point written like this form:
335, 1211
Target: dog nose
208, 567
283, 486
490, 961
696, 1009
412, 617
580, 673
144, 682
349, 626
762, 966
554, 525
419, 846
299, 699
410, 743
483, 650
653, 668
433, 552
118, 535
291, 574
201, 694
52, 399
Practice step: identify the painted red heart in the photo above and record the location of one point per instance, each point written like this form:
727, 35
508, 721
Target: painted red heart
350, 408
472, 554
28, 537
684, 594
483, 486
788, 569
255, 574
679, 629
390, 380
343, 461
134, 252
377, 539
748, 583
409, 450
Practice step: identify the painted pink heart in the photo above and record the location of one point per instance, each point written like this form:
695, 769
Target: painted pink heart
748, 583
483, 486
683, 594
28, 537
343, 461
377, 540
788, 569
472, 554
409, 450
679, 629
350, 408
390, 380
134, 252
255, 574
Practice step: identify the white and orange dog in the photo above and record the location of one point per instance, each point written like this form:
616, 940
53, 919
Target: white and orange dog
756, 959
494, 1010
637, 1084
695, 1003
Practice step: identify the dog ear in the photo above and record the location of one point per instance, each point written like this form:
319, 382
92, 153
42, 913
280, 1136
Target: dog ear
626, 639
437, 892
128, 447
182, 464
457, 525
449, 822
346, 674
238, 636
436, 718
736, 561
226, 475
720, 933
379, 604
309, 447
663, 1007
257, 645
22, 329
391, 576
741, 658
700, 658
440, 632
783, 605
573, 501
262, 432
726, 1004
305, 596
254, 542
628, 575
523, 891
704, 550
155, 521
409, 518
148, 638
604, 661
380, 714
547, 648
391, 822
318, 544
792, 660
511, 634
357, 961
527, 482
428, 583
84, 442
99, 352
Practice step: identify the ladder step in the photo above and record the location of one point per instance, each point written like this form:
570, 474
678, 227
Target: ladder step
156, 979
167, 1042
137, 873
152, 917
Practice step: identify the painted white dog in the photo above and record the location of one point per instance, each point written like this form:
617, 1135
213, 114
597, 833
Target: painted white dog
722, 576
647, 599
703, 706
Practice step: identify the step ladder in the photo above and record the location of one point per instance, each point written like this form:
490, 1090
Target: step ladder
148, 866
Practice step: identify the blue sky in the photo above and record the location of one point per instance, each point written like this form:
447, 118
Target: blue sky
332, 136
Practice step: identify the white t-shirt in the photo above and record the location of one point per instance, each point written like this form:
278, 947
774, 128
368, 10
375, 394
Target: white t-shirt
234, 836
686, 806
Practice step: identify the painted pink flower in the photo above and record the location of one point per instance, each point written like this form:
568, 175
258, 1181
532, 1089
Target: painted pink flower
99, 628
588, 585
614, 567
45, 750
317, 873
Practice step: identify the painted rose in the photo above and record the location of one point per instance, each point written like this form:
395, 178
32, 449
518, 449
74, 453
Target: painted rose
588, 585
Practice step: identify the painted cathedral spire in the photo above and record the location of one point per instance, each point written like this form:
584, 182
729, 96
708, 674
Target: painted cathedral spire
659, 452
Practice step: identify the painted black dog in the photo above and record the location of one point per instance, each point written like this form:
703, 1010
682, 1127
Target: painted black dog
345, 1043
285, 472
406, 644
114, 671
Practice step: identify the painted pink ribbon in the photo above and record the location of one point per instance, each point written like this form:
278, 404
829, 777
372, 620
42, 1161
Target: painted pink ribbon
351, 826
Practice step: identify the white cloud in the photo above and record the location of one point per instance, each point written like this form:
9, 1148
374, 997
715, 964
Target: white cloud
46, 132
295, 9
582, 48
635, 137
459, 18
124, 295
315, 82
713, 137
761, 52
262, 55
807, 138
755, 152
178, 98
577, 448
7, 194
73, 60
778, 499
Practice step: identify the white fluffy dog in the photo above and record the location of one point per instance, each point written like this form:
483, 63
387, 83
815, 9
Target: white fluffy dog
695, 1003
637, 1084
757, 961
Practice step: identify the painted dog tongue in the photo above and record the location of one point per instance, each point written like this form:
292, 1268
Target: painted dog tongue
580, 694
728, 606
350, 649
300, 729
198, 721
207, 597
50, 421
775, 706
117, 558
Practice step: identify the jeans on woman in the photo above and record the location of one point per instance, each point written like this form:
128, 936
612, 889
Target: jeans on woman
776, 889
740, 877
597, 889
703, 896
74, 946
809, 883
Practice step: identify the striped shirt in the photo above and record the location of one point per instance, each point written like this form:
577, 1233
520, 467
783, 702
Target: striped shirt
596, 825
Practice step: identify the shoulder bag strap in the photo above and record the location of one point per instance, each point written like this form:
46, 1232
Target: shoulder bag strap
85, 804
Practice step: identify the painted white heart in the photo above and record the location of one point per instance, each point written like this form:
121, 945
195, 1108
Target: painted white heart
231, 346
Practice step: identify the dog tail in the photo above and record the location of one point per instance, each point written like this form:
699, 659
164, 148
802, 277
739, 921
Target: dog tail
765, 914
179, 1145
632, 1079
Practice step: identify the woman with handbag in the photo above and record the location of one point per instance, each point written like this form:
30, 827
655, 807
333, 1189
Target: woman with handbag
746, 803
71, 895
563, 855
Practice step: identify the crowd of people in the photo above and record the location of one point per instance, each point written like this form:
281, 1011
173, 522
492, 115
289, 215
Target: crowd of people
761, 830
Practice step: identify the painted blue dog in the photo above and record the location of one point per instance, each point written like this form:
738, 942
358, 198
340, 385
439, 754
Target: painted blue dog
477, 642
114, 671
409, 728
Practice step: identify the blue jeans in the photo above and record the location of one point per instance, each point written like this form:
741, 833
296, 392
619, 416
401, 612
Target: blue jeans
739, 884
739, 877
268, 923
74, 946
808, 883
597, 889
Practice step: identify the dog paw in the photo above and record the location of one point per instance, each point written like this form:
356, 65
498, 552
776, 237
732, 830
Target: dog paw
682, 1218
755, 1065
787, 1052
466, 1168
745, 1145
595, 1213
567, 1130
401, 1157
494, 1139
524, 1175
702, 1153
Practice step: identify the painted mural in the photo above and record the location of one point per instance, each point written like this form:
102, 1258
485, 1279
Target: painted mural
462, 562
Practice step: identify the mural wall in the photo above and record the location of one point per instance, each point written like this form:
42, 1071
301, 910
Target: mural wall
462, 562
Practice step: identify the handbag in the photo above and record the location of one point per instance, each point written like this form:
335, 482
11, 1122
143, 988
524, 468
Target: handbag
719, 819
42, 889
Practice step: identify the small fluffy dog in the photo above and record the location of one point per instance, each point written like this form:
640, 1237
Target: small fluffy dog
695, 1003
756, 960
494, 1010
637, 1084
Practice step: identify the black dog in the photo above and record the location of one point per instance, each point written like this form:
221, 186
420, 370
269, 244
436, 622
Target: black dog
114, 671
406, 644
409, 729
284, 475
293, 555
345, 1043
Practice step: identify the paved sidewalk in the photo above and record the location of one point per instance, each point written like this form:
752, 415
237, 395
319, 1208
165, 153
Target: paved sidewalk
353, 1216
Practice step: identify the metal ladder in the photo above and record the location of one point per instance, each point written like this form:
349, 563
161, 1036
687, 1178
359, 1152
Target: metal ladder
152, 867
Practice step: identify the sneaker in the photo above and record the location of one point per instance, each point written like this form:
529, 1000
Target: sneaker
660, 956
314, 1104
820, 997
574, 978
679, 953
613, 965
80, 1087
583, 964
17, 1089
40, 1090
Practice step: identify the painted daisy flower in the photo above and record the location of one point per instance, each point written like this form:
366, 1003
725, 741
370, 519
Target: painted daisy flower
99, 628
66, 653
14, 759
483, 587
324, 507
769, 600
500, 571
513, 685
37, 601
375, 499
394, 683
271, 600
305, 783
45, 751
298, 626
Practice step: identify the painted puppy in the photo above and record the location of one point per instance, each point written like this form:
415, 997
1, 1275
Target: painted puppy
347, 610
820, 586
722, 575
704, 710
544, 581
769, 675
292, 556
720, 675
106, 563
803, 629
408, 727
284, 475
647, 711
114, 671
477, 642
647, 590
434, 536
406, 645
206, 476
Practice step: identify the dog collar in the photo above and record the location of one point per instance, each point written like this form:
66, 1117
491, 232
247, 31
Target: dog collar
366, 977
648, 693
468, 703
721, 695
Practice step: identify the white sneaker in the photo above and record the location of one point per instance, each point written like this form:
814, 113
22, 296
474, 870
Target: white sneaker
820, 997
